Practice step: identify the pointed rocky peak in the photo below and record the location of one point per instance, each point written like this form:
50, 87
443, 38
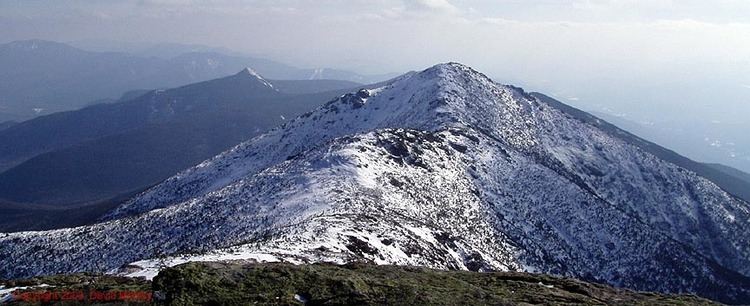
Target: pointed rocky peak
252, 74
247, 71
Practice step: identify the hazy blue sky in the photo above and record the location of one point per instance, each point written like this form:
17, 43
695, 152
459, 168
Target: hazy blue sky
388, 35
650, 60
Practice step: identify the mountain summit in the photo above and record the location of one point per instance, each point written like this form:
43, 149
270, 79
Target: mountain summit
442, 168
248, 72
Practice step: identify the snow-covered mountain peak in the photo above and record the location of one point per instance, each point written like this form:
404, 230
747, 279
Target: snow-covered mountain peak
444, 96
450, 70
443, 168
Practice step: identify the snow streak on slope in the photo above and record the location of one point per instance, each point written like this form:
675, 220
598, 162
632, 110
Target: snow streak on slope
249, 72
442, 168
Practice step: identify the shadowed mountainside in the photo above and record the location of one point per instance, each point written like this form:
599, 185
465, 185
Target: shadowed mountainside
80, 158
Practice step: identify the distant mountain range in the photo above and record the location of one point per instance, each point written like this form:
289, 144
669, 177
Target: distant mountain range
85, 158
441, 168
42, 77
164, 50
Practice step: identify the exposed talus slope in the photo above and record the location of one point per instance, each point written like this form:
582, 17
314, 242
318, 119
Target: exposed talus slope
442, 168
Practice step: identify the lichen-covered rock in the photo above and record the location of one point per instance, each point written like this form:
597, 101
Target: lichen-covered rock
358, 284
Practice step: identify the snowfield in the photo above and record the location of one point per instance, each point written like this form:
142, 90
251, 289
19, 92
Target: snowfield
443, 168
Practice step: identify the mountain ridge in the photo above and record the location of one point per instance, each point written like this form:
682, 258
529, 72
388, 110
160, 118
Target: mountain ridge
106, 150
731, 181
44, 77
442, 168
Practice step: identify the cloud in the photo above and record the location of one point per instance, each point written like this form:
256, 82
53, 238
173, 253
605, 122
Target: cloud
442, 6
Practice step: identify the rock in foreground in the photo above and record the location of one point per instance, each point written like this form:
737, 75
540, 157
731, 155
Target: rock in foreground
237, 283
